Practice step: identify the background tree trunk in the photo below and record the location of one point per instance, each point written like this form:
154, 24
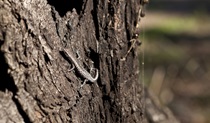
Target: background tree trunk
36, 82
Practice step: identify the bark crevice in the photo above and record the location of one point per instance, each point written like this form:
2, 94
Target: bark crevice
62, 7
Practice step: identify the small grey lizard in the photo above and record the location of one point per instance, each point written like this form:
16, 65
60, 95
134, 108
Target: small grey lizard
79, 68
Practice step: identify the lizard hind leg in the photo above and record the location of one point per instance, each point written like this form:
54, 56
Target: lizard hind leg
83, 83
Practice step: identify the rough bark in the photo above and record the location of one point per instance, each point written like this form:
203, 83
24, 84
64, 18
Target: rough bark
35, 77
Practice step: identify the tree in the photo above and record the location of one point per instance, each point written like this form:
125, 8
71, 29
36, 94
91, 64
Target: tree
37, 82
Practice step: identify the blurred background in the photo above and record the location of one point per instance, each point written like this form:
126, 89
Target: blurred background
176, 50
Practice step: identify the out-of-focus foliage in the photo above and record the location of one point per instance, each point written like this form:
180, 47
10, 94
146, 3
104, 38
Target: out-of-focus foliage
176, 46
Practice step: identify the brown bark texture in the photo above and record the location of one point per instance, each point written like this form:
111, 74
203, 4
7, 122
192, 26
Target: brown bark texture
37, 83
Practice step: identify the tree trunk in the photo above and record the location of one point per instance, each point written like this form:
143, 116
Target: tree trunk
37, 82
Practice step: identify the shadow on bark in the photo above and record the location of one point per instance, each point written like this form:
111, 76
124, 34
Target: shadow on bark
66, 5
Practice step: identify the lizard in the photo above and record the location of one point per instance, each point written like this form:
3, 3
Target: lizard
81, 70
